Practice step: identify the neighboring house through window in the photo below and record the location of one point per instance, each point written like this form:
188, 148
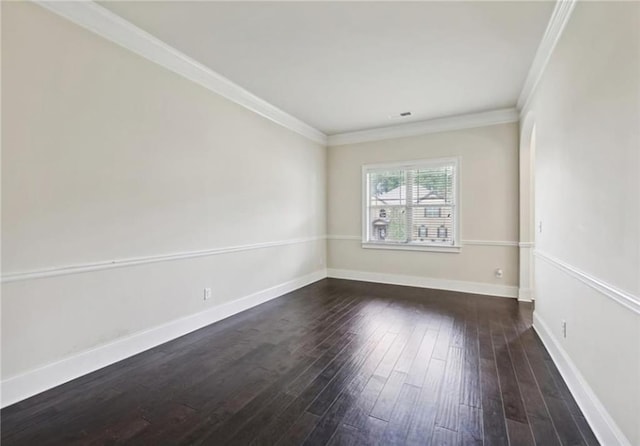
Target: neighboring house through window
411, 205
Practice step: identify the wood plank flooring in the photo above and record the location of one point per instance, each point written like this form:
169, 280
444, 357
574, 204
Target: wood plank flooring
335, 363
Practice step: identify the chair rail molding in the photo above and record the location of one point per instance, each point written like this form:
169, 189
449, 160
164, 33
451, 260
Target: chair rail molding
132, 261
513, 244
624, 298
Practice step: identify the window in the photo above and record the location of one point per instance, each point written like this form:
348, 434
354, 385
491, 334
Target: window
412, 205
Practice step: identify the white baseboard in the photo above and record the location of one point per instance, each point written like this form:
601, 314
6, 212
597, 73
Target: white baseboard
426, 282
51, 375
525, 295
604, 428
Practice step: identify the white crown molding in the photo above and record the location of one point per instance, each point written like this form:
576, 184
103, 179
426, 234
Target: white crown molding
559, 18
624, 298
23, 386
426, 282
120, 263
112, 27
103, 22
458, 122
603, 425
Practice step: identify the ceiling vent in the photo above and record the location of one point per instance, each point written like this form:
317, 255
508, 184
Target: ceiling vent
400, 115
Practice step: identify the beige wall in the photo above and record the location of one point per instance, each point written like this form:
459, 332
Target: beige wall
107, 156
587, 115
488, 200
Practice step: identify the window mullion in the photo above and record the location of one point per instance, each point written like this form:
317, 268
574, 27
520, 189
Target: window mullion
409, 178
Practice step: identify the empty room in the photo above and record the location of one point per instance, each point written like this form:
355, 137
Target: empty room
320, 223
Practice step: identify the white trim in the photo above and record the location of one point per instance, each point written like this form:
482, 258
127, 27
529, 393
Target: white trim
604, 427
453, 249
624, 298
119, 263
526, 151
51, 375
444, 124
490, 243
413, 164
454, 161
525, 279
525, 295
112, 27
364, 219
462, 244
426, 282
103, 22
559, 18
344, 237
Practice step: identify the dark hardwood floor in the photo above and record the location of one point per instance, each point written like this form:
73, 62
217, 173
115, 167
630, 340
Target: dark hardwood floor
338, 363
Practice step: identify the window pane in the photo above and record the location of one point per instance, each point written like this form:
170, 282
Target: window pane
387, 188
433, 224
387, 224
415, 204
433, 185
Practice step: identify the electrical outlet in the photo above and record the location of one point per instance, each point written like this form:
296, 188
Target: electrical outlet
207, 293
540, 226
499, 273
564, 329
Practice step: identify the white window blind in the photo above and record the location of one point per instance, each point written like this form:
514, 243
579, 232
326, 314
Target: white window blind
411, 204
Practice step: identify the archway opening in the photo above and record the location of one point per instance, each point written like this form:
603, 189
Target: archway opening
527, 228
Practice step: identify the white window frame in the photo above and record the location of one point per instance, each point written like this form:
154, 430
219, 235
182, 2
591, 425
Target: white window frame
414, 245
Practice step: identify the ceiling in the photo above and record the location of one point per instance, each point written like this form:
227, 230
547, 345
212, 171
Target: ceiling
342, 67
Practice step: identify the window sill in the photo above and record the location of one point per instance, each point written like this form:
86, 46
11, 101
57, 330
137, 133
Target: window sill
453, 249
